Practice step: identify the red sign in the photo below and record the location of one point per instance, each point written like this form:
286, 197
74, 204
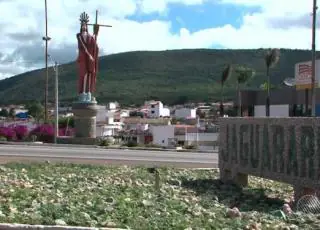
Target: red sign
304, 70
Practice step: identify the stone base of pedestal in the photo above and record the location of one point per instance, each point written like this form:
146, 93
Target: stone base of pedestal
76, 140
85, 119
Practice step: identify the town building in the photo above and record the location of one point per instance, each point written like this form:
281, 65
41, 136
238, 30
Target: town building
184, 135
185, 113
156, 109
284, 102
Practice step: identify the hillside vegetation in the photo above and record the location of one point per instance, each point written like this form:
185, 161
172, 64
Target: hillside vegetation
173, 76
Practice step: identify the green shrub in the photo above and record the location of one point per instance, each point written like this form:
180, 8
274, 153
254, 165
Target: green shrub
104, 142
132, 144
66, 121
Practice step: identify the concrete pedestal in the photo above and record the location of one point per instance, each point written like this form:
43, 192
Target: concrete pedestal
85, 124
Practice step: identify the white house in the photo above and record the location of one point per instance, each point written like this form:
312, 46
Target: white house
124, 113
113, 106
156, 109
170, 135
137, 123
162, 135
203, 141
107, 125
105, 130
185, 113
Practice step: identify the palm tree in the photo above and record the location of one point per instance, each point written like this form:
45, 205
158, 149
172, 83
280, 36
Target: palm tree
243, 75
271, 59
226, 73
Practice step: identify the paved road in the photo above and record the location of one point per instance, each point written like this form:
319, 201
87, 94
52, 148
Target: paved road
25, 153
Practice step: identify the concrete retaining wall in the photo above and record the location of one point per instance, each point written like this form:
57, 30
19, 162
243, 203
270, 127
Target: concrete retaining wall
282, 149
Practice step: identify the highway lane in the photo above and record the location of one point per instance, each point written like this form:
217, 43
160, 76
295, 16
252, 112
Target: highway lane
27, 153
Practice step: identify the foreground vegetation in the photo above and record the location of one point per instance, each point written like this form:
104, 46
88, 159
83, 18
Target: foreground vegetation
173, 76
125, 197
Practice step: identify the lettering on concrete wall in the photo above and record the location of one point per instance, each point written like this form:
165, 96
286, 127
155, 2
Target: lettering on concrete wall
284, 149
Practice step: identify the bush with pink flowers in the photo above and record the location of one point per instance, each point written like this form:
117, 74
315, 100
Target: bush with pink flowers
44, 133
21, 131
8, 133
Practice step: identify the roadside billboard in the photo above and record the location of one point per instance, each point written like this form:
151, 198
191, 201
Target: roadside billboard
302, 74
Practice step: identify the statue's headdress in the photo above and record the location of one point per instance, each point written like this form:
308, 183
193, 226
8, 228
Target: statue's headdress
84, 18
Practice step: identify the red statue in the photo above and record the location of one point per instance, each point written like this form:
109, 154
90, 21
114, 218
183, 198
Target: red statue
87, 58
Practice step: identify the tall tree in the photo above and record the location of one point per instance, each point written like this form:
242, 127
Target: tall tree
36, 110
226, 74
271, 59
4, 113
243, 75
12, 113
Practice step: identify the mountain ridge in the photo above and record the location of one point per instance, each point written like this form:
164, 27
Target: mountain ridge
172, 76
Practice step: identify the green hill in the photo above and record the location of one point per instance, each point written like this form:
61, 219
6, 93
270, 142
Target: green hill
171, 76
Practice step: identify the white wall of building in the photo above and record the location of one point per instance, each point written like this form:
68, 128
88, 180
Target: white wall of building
113, 106
203, 141
201, 137
101, 114
156, 109
140, 127
165, 112
275, 110
125, 113
107, 130
102, 132
162, 134
185, 113
110, 120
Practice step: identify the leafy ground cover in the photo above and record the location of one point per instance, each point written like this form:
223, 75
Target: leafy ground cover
125, 197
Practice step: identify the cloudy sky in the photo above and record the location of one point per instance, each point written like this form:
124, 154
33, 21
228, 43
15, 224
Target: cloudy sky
149, 25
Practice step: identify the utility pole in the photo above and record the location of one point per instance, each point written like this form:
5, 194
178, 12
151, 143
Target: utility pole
46, 39
313, 73
56, 99
56, 113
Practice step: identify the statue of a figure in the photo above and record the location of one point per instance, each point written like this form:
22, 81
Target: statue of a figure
87, 60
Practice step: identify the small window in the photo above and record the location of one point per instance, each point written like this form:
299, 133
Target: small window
162, 141
152, 111
152, 106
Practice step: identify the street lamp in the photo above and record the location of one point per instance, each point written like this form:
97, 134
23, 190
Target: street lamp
56, 99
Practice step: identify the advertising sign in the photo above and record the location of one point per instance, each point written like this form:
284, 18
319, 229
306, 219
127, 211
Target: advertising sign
303, 73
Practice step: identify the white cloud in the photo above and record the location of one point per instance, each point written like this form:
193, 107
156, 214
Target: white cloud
276, 24
160, 6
